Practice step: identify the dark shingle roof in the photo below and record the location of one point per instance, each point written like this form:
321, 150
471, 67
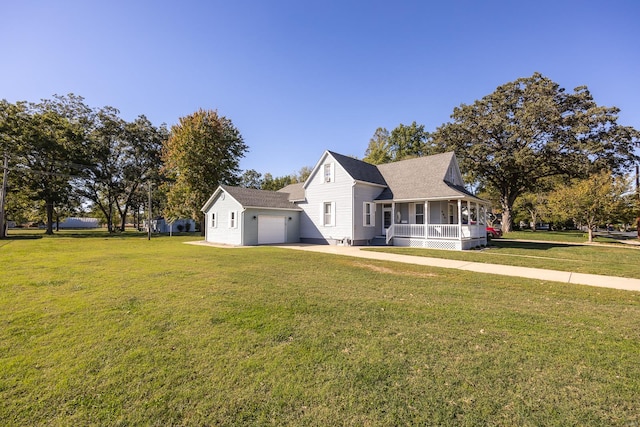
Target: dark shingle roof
252, 198
359, 170
295, 191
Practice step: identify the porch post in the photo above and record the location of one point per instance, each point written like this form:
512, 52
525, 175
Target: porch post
459, 219
478, 222
426, 219
393, 213
393, 218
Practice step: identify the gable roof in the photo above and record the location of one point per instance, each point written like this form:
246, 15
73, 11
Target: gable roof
421, 178
359, 170
295, 191
252, 198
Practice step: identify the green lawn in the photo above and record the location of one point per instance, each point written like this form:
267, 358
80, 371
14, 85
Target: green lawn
620, 260
558, 236
125, 331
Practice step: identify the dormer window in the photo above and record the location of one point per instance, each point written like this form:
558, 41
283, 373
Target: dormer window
328, 172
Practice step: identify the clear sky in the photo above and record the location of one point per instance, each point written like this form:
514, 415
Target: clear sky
297, 77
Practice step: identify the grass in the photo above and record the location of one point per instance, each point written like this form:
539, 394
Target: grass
125, 331
558, 236
548, 253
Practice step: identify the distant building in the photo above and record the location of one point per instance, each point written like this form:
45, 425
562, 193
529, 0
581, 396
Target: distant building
78, 222
160, 225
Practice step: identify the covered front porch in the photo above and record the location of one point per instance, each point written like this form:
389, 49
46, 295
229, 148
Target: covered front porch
454, 224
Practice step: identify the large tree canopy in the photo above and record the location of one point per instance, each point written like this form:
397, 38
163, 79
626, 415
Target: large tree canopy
62, 153
53, 143
531, 129
202, 152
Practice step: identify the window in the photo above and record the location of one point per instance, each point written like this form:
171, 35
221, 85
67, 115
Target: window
419, 213
213, 220
328, 209
328, 172
233, 220
369, 214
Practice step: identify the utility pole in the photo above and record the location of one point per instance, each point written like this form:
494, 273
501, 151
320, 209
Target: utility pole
5, 173
149, 214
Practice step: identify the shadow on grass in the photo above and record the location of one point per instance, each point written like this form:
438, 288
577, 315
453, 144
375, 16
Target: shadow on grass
540, 246
22, 237
88, 234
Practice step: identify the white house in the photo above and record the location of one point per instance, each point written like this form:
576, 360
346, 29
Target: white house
419, 202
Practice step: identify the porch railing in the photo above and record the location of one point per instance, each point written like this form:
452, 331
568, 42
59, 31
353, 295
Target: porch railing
443, 231
434, 231
408, 230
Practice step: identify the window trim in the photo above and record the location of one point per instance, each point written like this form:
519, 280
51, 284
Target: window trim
233, 219
214, 222
371, 215
331, 213
328, 173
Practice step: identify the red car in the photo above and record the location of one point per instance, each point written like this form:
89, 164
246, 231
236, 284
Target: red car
493, 233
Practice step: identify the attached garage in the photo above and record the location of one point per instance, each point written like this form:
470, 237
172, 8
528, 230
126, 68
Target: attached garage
246, 217
272, 229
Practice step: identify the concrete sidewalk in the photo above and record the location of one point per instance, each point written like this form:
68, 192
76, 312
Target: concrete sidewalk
503, 270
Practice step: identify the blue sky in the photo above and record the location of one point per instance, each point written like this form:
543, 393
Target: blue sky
299, 77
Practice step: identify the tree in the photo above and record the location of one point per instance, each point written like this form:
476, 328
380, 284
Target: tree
304, 173
409, 141
140, 161
102, 183
10, 117
275, 184
378, 151
251, 178
532, 129
535, 206
203, 151
54, 142
589, 202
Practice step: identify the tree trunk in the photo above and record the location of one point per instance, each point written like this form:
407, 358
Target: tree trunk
534, 219
123, 215
507, 199
590, 234
123, 222
49, 230
110, 221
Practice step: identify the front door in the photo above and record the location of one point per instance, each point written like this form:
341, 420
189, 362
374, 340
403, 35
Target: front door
386, 218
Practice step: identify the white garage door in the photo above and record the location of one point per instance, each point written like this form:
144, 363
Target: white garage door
271, 229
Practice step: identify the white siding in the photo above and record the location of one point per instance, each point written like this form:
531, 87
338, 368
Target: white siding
365, 193
222, 233
318, 191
